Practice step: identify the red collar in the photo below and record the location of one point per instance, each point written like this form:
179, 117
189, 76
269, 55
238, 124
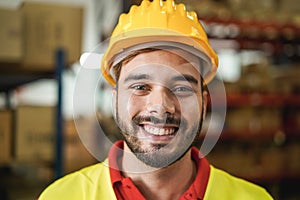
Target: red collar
125, 189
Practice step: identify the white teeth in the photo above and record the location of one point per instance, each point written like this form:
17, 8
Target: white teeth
162, 131
168, 131
159, 131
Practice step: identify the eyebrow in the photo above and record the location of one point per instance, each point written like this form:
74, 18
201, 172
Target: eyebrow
186, 77
135, 77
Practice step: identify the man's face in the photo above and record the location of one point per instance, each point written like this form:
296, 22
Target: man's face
159, 105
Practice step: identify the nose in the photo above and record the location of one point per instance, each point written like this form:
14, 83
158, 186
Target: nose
161, 101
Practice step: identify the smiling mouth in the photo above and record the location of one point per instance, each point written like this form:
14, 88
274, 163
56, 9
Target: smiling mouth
159, 130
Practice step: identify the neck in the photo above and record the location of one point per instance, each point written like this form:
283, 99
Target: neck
156, 183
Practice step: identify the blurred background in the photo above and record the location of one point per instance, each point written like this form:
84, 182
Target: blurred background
258, 43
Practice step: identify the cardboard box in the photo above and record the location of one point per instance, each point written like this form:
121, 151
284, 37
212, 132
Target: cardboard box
5, 136
48, 27
10, 35
35, 139
35, 134
76, 155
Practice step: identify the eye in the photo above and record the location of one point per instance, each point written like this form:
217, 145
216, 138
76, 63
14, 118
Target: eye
140, 89
183, 91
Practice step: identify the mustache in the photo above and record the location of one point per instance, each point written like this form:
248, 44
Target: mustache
167, 119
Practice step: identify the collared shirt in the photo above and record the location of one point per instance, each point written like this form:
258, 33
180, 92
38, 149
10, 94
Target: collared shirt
103, 181
125, 189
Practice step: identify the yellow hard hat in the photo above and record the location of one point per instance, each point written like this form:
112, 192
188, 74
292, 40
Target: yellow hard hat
158, 22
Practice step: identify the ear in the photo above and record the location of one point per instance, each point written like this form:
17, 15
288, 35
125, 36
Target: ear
204, 102
114, 102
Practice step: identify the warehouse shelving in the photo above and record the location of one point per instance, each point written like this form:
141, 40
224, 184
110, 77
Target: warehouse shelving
265, 100
13, 75
281, 42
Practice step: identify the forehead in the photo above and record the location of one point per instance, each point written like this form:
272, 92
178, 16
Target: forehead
162, 63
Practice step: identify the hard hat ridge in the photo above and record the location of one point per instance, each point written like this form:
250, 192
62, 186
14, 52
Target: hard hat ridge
158, 21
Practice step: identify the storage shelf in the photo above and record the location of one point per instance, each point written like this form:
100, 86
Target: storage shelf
266, 100
13, 75
268, 30
278, 40
269, 178
246, 135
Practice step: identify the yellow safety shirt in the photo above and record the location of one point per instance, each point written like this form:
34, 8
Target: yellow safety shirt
94, 183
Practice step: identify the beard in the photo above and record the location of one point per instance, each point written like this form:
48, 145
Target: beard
159, 155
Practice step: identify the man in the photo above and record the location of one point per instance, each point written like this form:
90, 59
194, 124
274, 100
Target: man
159, 61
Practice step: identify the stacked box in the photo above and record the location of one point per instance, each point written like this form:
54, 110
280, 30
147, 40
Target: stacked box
10, 35
35, 134
47, 28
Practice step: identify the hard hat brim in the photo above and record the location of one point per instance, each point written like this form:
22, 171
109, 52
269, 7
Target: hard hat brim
155, 37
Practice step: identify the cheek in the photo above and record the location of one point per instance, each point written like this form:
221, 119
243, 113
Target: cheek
130, 105
135, 105
191, 108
